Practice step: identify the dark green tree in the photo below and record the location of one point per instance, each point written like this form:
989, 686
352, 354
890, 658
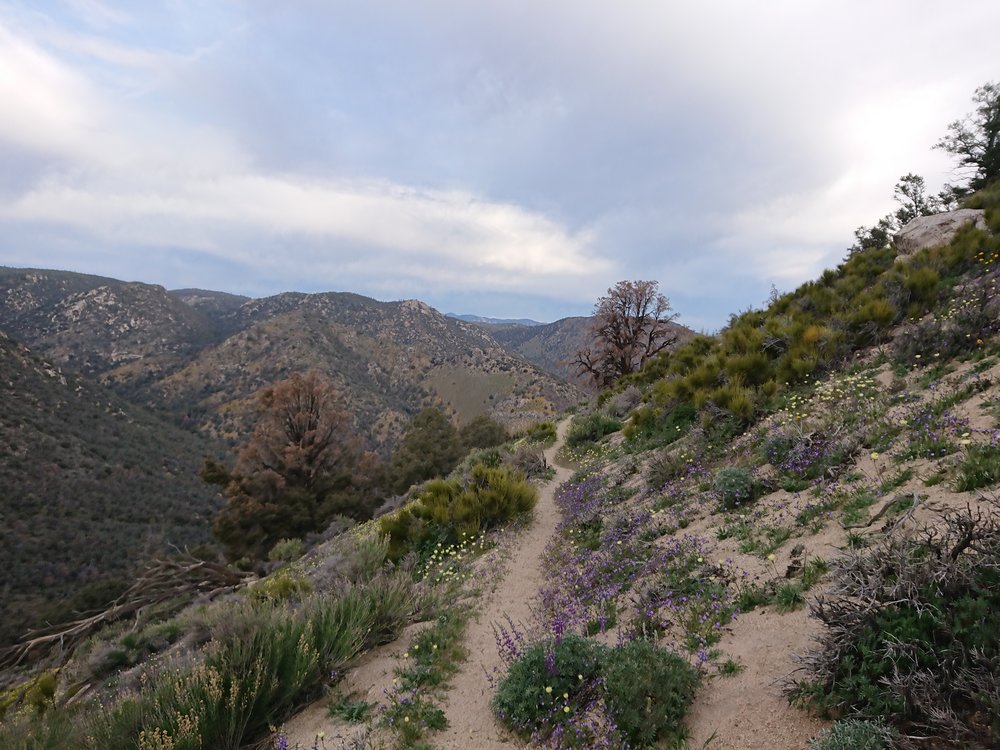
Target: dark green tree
301, 465
911, 195
975, 140
482, 432
430, 448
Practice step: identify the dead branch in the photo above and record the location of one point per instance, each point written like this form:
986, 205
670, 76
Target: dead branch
160, 581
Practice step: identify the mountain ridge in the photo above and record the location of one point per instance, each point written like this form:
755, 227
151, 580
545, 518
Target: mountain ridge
203, 355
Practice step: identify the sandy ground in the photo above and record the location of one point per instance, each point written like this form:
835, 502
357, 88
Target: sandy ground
748, 711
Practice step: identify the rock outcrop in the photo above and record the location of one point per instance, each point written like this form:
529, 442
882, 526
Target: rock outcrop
936, 230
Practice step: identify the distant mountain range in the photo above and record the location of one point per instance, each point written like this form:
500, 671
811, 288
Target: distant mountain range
126, 387
494, 321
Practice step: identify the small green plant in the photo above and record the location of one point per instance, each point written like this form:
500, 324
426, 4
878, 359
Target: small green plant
350, 709
788, 597
730, 667
433, 656
812, 571
856, 540
413, 718
855, 734
750, 596
897, 481
979, 468
733, 487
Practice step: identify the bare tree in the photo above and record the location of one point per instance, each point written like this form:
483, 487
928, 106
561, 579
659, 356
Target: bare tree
632, 324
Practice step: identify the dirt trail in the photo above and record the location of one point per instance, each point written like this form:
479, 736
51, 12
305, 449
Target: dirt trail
470, 723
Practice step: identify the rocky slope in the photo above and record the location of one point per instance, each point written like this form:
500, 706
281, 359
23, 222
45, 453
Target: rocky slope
203, 355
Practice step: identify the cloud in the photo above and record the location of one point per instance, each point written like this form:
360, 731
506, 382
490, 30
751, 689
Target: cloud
98, 14
456, 229
47, 107
529, 152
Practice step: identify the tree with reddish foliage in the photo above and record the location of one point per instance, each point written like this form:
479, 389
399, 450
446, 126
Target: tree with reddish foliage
301, 465
631, 325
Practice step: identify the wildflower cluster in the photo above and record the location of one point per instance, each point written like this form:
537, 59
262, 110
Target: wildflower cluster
451, 563
806, 457
687, 598
933, 434
597, 556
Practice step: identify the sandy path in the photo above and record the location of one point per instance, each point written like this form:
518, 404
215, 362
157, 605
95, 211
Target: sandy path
470, 722
748, 711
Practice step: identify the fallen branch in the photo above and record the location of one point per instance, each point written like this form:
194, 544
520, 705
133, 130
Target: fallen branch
161, 581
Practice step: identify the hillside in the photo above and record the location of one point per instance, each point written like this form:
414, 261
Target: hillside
95, 325
90, 485
786, 530
202, 355
387, 358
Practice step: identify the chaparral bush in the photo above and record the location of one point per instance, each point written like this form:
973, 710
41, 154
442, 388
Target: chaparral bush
911, 635
448, 509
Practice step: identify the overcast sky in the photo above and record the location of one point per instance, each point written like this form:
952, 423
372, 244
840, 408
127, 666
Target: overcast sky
511, 158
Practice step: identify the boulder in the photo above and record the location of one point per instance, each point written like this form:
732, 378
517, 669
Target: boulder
935, 230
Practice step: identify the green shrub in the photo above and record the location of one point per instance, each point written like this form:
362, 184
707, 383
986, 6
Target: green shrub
36, 693
53, 730
446, 510
733, 487
279, 587
482, 432
855, 734
648, 691
664, 468
650, 427
645, 690
921, 282
541, 432
910, 633
286, 550
528, 461
263, 660
547, 677
590, 429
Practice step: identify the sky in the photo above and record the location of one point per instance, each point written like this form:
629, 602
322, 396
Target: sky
508, 159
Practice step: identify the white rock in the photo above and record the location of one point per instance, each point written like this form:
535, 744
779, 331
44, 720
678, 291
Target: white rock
936, 230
